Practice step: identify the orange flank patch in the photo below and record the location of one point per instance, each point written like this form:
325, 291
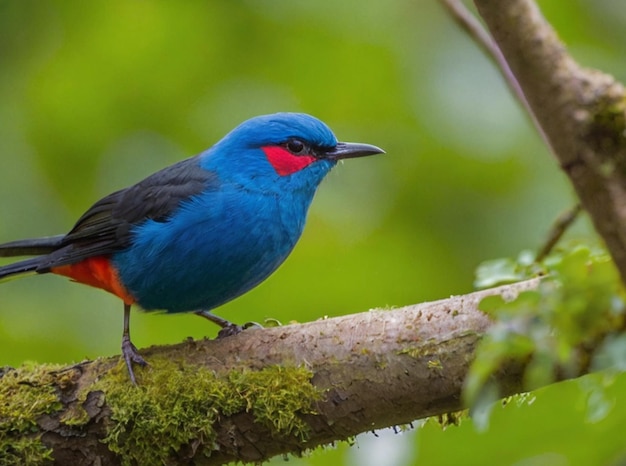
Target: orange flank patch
98, 272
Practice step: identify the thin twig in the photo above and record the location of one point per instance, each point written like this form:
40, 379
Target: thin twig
477, 31
560, 226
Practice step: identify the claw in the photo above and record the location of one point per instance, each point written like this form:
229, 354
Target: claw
228, 328
234, 329
229, 331
131, 355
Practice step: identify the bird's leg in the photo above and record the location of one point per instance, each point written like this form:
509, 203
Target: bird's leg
228, 328
217, 320
131, 355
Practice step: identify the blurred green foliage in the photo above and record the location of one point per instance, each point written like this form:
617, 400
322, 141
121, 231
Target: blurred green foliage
96, 95
578, 305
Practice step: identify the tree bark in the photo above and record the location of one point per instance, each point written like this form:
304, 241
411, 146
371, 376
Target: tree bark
372, 370
581, 111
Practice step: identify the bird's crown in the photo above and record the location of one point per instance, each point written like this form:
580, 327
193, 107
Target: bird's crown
279, 128
280, 144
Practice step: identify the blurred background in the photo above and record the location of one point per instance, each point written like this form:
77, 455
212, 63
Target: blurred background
94, 96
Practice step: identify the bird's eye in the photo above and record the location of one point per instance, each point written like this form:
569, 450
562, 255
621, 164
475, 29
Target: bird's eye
297, 147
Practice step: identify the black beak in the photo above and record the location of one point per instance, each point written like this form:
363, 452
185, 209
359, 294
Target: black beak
349, 150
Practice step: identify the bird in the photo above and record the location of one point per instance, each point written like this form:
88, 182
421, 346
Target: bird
200, 232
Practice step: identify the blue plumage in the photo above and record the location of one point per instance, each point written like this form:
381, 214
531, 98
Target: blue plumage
225, 240
216, 246
203, 231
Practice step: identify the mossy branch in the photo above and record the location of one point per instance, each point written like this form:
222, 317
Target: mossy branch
286, 389
254, 395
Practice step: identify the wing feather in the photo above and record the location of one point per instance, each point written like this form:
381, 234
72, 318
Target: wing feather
107, 226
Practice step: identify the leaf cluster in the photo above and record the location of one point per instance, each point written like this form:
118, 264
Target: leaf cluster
552, 330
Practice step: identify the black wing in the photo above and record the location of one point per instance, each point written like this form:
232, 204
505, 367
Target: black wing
107, 226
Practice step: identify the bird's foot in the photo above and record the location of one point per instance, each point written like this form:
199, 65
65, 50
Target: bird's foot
228, 328
233, 329
131, 355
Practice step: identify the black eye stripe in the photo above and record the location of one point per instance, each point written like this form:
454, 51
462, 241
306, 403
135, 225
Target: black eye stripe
297, 146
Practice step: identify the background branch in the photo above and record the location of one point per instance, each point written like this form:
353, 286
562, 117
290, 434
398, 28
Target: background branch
369, 370
581, 111
470, 24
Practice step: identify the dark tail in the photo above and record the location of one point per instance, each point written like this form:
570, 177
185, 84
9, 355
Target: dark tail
27, 247
31, 247
19, 268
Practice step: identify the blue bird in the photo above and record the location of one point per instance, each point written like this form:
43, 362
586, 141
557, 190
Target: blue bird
201, 232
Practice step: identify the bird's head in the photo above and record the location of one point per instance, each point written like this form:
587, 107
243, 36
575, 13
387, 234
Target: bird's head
292, 148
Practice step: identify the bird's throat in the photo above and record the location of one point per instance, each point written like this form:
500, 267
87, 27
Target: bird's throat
284, 162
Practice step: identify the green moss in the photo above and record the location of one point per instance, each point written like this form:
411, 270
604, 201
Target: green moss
435, 364
24, 398
420, 352
608, 126
176, 404
381, 364
413, 352
450, 419
75, 416
275, 396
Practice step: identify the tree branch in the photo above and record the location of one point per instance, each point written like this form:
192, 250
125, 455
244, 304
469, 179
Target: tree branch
369, 370
470, 24
277, 390
582, 113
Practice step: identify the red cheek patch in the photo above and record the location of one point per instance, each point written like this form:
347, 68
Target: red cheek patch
284, 162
